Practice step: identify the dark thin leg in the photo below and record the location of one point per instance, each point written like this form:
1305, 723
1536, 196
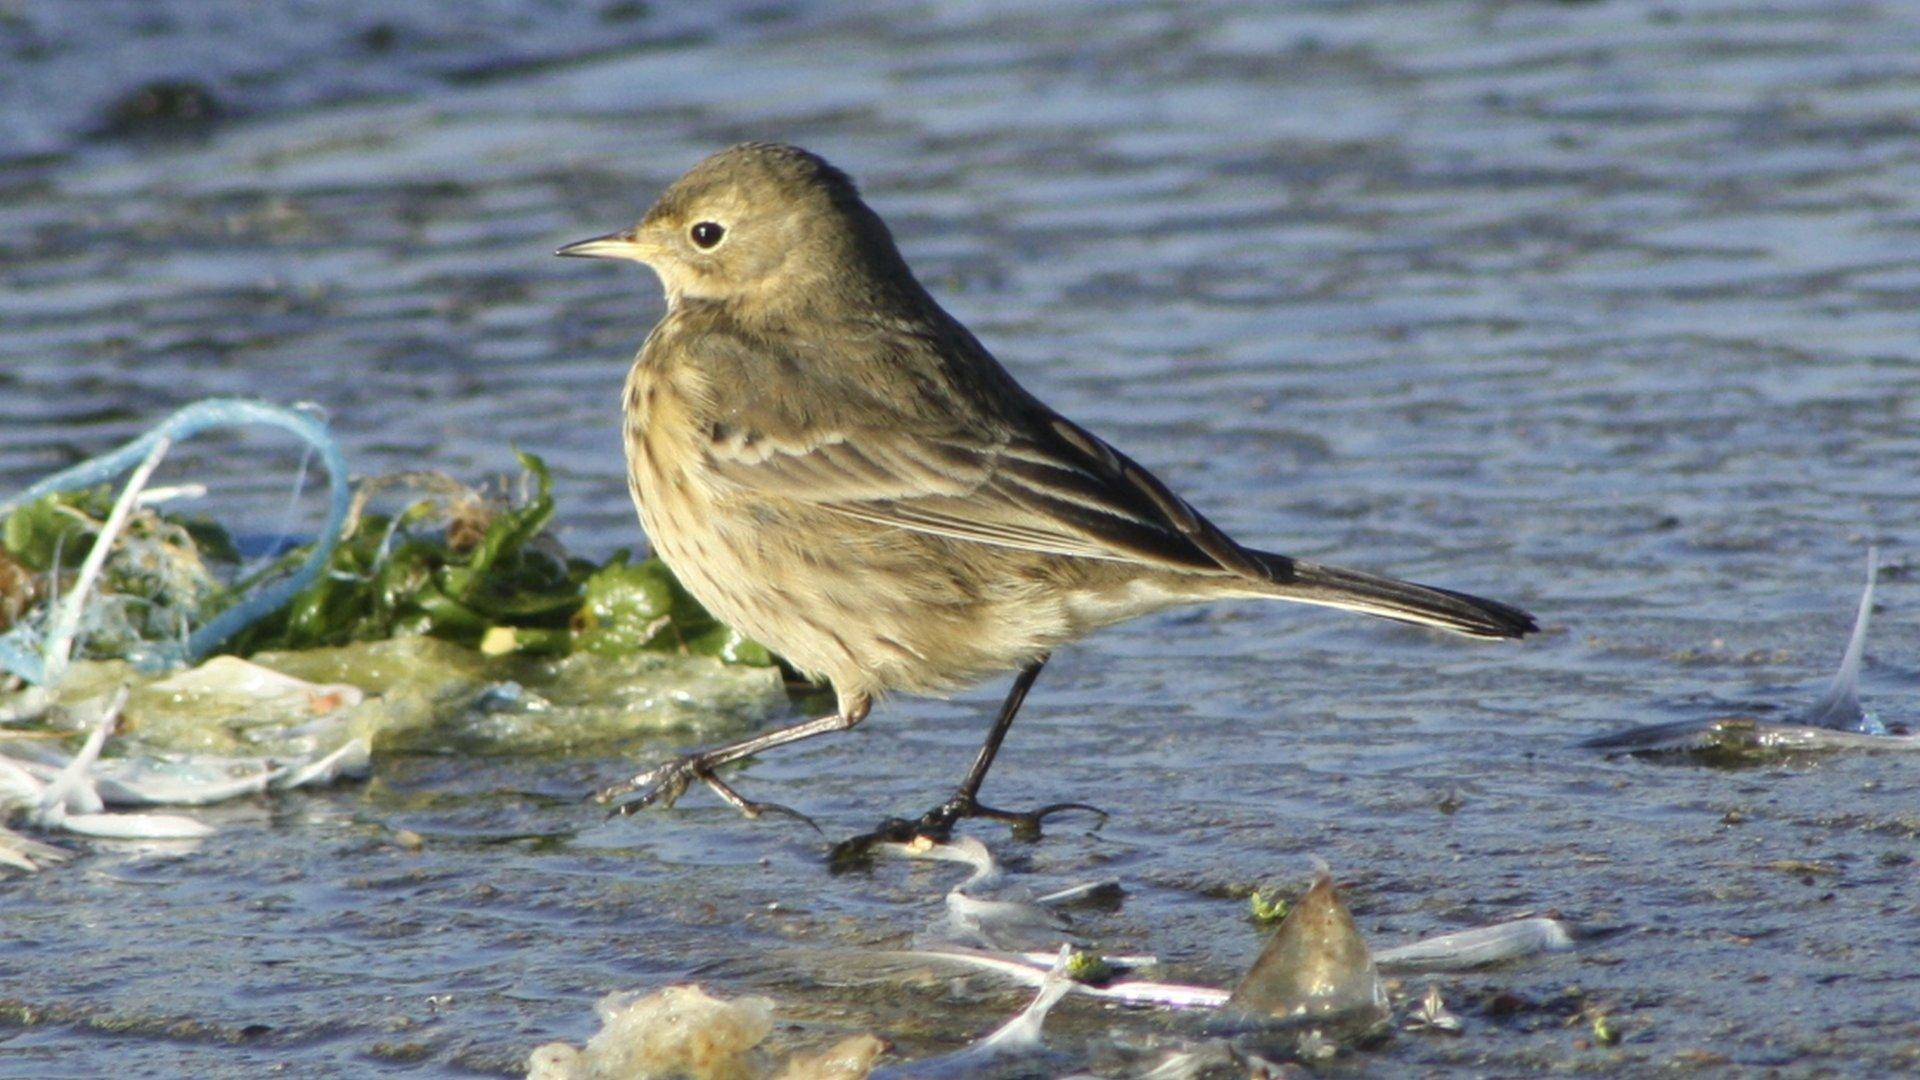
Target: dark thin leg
965, 803
1003, 723
664, 784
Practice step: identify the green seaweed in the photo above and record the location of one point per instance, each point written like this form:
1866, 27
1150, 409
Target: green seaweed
1085, 966
157, 574
455, 565
1268, 908
55, 528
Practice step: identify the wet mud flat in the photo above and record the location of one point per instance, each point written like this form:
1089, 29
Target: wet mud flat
1607, 309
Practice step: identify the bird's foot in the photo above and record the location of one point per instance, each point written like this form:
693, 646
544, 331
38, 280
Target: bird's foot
663, 785
938, 822
937, 825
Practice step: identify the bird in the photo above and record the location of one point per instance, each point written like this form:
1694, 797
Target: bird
837, 468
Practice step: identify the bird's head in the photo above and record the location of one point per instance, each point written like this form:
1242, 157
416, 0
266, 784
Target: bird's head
763, 226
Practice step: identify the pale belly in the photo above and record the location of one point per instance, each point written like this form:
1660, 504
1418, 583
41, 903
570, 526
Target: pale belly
868, 608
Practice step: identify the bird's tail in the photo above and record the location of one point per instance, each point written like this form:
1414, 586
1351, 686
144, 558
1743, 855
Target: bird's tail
1311, 583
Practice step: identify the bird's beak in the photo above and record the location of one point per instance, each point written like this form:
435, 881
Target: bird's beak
619, 245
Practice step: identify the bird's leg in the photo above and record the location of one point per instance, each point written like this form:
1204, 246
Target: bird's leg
965, 803
664, 784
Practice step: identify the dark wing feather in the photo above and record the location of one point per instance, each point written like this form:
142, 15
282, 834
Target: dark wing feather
1052, 487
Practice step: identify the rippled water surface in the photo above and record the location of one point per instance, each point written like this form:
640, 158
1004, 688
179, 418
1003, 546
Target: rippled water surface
1609, 309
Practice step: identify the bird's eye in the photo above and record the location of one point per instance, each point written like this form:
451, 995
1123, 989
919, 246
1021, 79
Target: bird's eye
706, 234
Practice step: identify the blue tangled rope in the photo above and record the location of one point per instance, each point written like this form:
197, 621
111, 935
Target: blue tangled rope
23, 658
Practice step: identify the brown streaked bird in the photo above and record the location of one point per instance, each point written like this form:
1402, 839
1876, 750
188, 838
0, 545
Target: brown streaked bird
834, 466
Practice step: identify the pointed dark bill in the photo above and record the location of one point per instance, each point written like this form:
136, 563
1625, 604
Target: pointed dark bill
617, 245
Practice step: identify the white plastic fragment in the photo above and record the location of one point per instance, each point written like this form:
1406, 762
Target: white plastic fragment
1021, 1034
1479, 947
354, 759
18, 786
71, 787
1835, 722
136, 826
58, 649
1839, 708
72, 780
155, 778
1074, 894
244, 683
993, 922
1460, 951
1016, 967
1017, 1037
982, 913
1799, 737
131, 782
154, 496
82, 796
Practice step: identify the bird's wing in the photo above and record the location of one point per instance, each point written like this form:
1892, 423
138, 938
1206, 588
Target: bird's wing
1052, 487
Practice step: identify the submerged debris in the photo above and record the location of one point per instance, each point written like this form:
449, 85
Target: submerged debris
983, 911
678, 1032
1743, 740
1314, 993
1432, 1014
849, 1059
164, 108
683, 1032
1835, 722
72, 792
62, 795
1316, 965
1018, 1037
232, 728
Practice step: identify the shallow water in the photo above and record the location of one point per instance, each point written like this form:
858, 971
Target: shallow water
1603, 308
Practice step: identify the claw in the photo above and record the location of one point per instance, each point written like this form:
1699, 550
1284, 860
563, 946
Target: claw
751, 809
938, 822
1026, 824
662, 785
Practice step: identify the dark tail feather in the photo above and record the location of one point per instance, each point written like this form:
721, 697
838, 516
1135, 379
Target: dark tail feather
1311, 583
